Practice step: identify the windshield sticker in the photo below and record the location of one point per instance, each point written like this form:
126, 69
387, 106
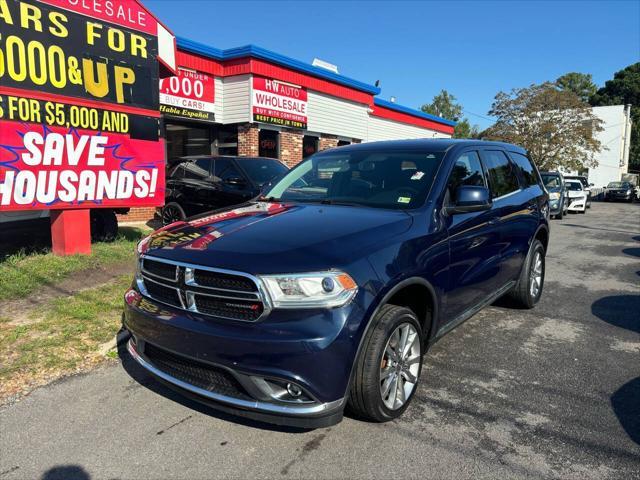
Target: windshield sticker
417, 176
404, 199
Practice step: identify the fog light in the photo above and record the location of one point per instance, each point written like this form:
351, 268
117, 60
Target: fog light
294, 390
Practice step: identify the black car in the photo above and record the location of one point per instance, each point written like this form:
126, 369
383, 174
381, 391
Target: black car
619, 191
202, 183
327, 290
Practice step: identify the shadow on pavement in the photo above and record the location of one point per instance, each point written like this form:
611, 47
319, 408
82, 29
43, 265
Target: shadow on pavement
619, 310
626, 405
141, 376
634, 252
66, 472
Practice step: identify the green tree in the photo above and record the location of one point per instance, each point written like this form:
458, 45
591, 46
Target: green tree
622, 90
555, 126
444, 105
579, 83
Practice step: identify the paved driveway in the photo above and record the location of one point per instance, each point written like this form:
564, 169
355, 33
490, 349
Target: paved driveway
553, 392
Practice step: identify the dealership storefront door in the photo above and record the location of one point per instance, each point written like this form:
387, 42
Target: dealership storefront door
197, 138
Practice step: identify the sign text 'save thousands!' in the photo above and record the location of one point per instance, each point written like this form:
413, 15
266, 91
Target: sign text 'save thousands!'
279, 103
190, 94
79, 119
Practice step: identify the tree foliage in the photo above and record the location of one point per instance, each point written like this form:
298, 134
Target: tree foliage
555, 126
445, 105
579, 83
622, 90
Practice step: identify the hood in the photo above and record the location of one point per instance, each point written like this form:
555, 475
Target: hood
577, 194
273, 237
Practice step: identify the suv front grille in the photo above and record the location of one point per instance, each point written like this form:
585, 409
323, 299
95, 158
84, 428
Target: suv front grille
224, 281
202, 375
233, 296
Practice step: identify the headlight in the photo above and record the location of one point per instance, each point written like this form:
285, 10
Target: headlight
310, 290
554, 196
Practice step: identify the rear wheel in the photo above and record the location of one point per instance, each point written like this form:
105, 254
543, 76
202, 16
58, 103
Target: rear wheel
560, 214
172, 212
388, 368
528, 290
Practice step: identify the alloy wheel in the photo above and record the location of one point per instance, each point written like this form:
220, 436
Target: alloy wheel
535, 276
400, 366
170, 214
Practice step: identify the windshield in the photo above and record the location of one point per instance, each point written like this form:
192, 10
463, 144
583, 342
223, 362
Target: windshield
551, 181
262, 170
574, 186
384, 179
618, 185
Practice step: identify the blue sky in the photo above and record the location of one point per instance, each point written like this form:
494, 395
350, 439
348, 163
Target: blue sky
473, 49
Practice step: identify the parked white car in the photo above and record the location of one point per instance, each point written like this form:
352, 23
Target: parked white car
578, 196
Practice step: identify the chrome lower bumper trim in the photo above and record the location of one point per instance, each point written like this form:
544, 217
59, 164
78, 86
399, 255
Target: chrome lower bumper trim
264, 407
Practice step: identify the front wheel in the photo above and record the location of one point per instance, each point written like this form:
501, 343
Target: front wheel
528, 290
388, 368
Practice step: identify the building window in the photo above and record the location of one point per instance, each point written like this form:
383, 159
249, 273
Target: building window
309, 145
268, 143
227, 140
185, 139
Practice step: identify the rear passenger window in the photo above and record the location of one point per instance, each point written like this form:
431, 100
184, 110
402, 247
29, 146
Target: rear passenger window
526, 167
501, 172
467, 171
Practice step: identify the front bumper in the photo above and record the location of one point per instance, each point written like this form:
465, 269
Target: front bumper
315, 352
578, 204
556, 207
312, 416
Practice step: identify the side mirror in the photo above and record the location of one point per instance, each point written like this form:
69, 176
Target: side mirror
469, 198
235, 181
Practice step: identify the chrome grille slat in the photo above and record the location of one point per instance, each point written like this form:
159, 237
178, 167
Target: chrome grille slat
241, 305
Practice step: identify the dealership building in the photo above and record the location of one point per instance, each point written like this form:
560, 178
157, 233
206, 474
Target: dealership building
249, 101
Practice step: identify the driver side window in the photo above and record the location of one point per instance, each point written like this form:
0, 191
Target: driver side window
466, 171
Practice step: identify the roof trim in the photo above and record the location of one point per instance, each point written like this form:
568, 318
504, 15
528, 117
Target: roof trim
412, 112
268, 55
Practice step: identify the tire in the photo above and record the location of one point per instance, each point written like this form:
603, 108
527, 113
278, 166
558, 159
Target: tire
560, 215
104, 225
366, 395
522, 293
172, 212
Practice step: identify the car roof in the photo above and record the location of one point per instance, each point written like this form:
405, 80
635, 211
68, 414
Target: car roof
432, 144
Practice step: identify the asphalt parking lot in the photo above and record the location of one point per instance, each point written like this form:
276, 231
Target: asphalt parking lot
548, 393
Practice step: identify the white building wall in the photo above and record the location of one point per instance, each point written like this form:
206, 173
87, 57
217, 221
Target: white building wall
218, 96
385, 129
236, 99
614, 160
336, 116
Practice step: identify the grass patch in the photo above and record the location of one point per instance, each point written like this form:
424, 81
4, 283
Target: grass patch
21, 273
65, 336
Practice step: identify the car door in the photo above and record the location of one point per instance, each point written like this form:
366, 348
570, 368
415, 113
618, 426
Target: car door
197, 186
515, 209
474, 242
232, 187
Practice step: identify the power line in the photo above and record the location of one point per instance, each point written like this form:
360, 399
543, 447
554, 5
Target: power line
477, 115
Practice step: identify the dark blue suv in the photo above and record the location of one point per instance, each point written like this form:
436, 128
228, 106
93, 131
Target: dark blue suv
326, 292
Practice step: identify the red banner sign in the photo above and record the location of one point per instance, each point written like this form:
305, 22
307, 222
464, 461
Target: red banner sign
279, 103
54, 168
79, 120
189, 94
